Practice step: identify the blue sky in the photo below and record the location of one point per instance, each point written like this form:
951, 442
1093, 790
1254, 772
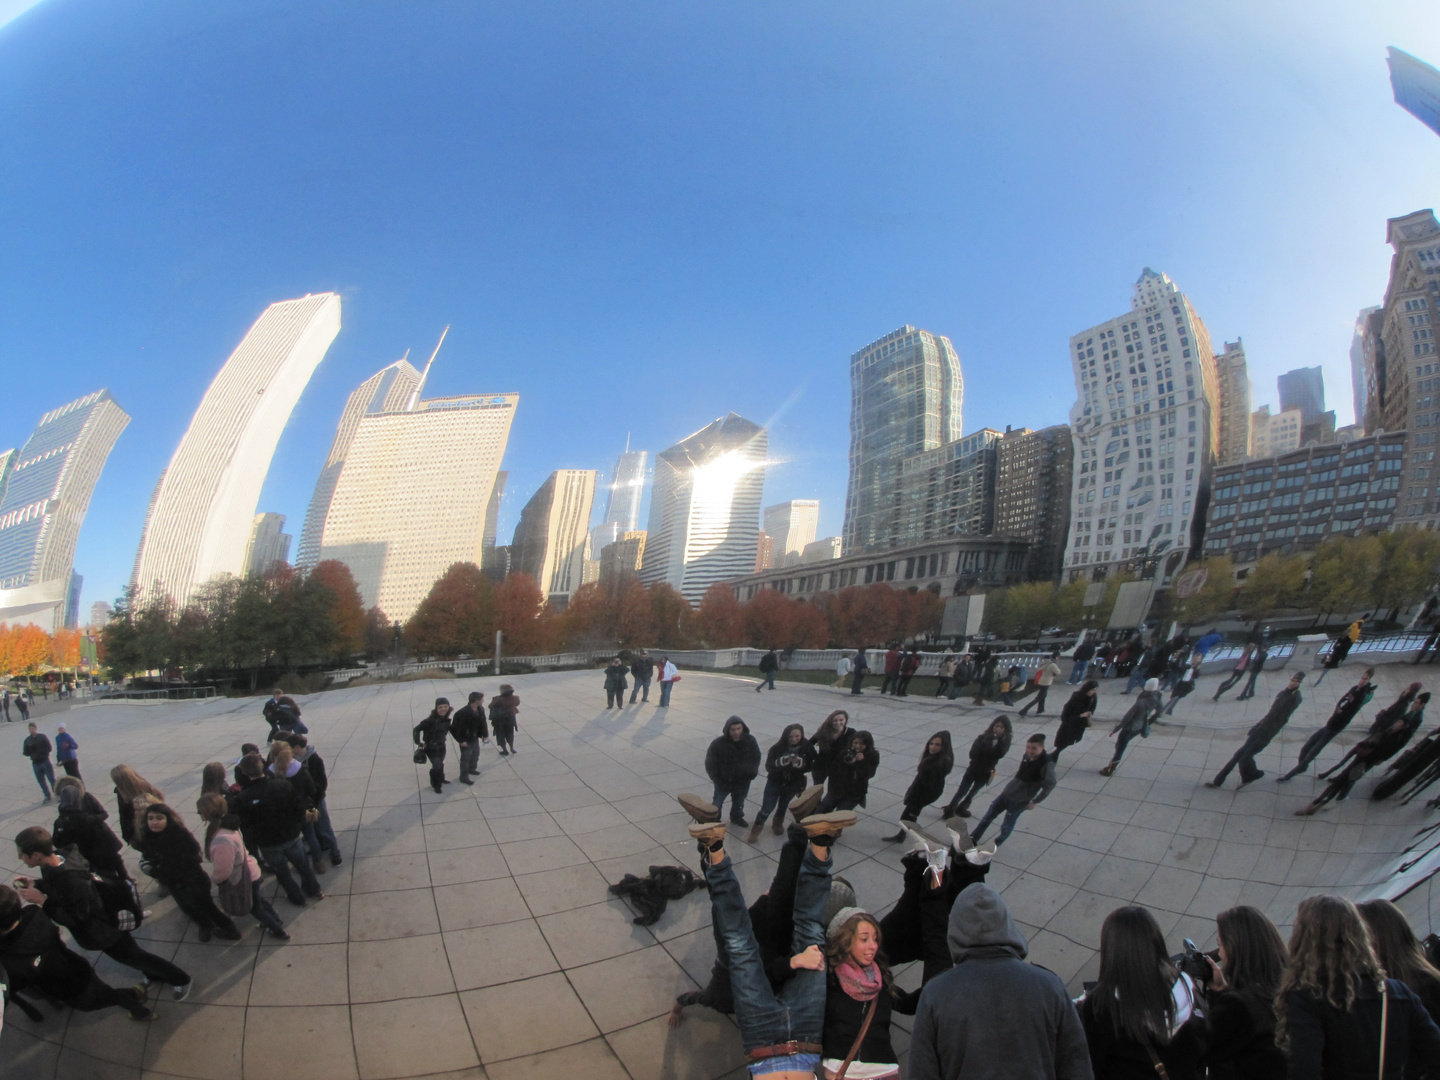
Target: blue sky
643, 216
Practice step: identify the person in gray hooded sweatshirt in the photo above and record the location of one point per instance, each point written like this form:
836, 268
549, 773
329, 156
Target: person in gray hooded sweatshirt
961, 1034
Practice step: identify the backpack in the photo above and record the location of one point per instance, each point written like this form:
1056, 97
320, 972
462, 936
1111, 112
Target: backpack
120, 899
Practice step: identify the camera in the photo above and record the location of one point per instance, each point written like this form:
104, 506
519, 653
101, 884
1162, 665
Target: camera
1193, 962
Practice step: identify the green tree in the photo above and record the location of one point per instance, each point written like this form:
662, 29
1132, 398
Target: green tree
1276, 582
379, 634
456, 615
1343, 570
1216, 596
1408, 564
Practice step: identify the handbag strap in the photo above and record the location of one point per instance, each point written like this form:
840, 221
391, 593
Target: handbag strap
865, 1027
1155, 1059
1384, 1019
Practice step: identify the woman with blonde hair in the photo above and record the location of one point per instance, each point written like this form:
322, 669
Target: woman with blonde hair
859, 985
232, 866
132, 792
1338, 1015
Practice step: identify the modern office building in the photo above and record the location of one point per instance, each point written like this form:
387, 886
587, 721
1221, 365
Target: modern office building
45, 490
948, 491
413, 494
549, 541
1146, 426
269, 544
1233, 380
622, 500
906, 395
705, 507
492, 521
1293, 501
1277, 434
945, 567
621, 560
1033, 474
1358, 390
790, 526
764, 551
388, 390
1304, 389
821, 551
201, 512
1417, 87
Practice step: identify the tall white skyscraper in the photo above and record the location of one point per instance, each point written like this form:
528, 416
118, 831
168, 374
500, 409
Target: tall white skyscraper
791, 525
1275, 434
269, 544
388, 390
622, 501
549, 541
45, 490
1146, 426
203, 508
412, 495
705, 507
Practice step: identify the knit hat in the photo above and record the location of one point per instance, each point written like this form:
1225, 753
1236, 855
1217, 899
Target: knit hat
475, 695
1152, 684
441, 701
842, 896
844, 915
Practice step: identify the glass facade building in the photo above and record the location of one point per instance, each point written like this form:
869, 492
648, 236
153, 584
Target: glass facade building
1417, 87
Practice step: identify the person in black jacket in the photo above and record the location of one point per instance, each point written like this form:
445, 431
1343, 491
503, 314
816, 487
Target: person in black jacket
1346, 709
68, 895
769, 664
283, 714
36, 959
732, 762
431, 734
785, 767
829, 742
1259, 736
272, 817
642, 670
1375, 749
81, 824
172, 857
1332, 997
284, 764
858, 982
1241, 998
467, 728
936, 761
989, 747
321, 834
615, 684
1400, 954
505, 718
850, 775
1076, 716
37, 748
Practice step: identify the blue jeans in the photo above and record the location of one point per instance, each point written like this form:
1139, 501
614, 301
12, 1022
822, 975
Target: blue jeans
1006, 827
263, 912
798, 1012
767, 678
44, 771
777, 798
1137, 678
830, 804
665, 692
292, 853
642, 690
320, 836
1078, 671
736, 793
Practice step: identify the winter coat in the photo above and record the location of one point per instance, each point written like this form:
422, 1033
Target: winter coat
36, 747
300, 779
1137, 720
930, 774
642, 668
1328, 1043
1283, 707
71, 901
1048, 673
86, 831
910, 664
1072, 723
432, 732
993, 1016
468, 724
851, 779
1033, 781
65, 747
1242, 1037
844, 1016
36, 958
988, 748
827, 748
173, 854
271, 812
892, 662
1349, 706
505, 713
650, 894
786, 766
615, 677
1115, 1056
769, 662
732, 762
1084, 651
315, 766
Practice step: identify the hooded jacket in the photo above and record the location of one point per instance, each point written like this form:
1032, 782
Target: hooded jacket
827, 744
315, 766
732, 762
786, 765
431, 732
615, 677
930, 774
993, 1016
270, 811
988, 748
1034, 779
468, 723
86, 831
1137, 720
851, 779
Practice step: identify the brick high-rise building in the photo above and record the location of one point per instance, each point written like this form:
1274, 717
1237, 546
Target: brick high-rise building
1032, 494
1233, 380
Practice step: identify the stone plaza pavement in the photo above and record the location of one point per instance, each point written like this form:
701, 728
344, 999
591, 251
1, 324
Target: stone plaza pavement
470, 934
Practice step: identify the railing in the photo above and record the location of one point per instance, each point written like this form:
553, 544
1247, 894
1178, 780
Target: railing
166, 693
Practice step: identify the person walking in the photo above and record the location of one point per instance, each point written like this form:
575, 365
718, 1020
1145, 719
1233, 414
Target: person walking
1185, 684
1034, 780
829, 743
946, 673
171, 856
67, 751
272, 816
963, 1032
842, 670
769, 664
430, 734
1135, 722
283, 714
1339, 1015
892, 669
669, 676
1344, 642
732, 762
909, 665
1346, 709
1080, 660
1283, 707
1044, 678
936, 762
68, 895
22, 704
642, 670
786, 766
850, 775
232, 867
1257, 665
1238, 672
1014, 679
989, 747
615, 685
1076, 716
80, 823
1378, 747
505, 718
5, 702
468, 728
858, 672
36, 747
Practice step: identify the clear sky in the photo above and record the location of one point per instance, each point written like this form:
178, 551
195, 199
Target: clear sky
642, 216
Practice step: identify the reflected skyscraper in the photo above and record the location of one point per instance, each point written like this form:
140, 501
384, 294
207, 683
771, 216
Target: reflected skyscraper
705, 507
549, 541
1417, 87
622, 501
45, 490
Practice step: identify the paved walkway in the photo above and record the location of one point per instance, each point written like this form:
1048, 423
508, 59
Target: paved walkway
470, 934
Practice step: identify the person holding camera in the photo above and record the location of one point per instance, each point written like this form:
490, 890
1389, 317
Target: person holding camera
850, 775
1240, 996
786, 766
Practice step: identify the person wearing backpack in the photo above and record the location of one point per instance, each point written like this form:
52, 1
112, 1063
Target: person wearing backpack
36, 958
81, 824
68, 893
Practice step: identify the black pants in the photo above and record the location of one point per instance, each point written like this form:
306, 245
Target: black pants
944, 686
192, 896
72, 767
1230, 680
892, 682
1038, 700
857, 680
1249, 690
971, 784
101, 995
1245, 759
614, 699
436, 755
903, 689
127, 951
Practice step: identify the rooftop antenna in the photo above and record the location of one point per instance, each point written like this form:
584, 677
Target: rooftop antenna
415, 396
627, 442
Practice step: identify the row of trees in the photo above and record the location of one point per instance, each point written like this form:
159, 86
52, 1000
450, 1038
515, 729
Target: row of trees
27, 650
